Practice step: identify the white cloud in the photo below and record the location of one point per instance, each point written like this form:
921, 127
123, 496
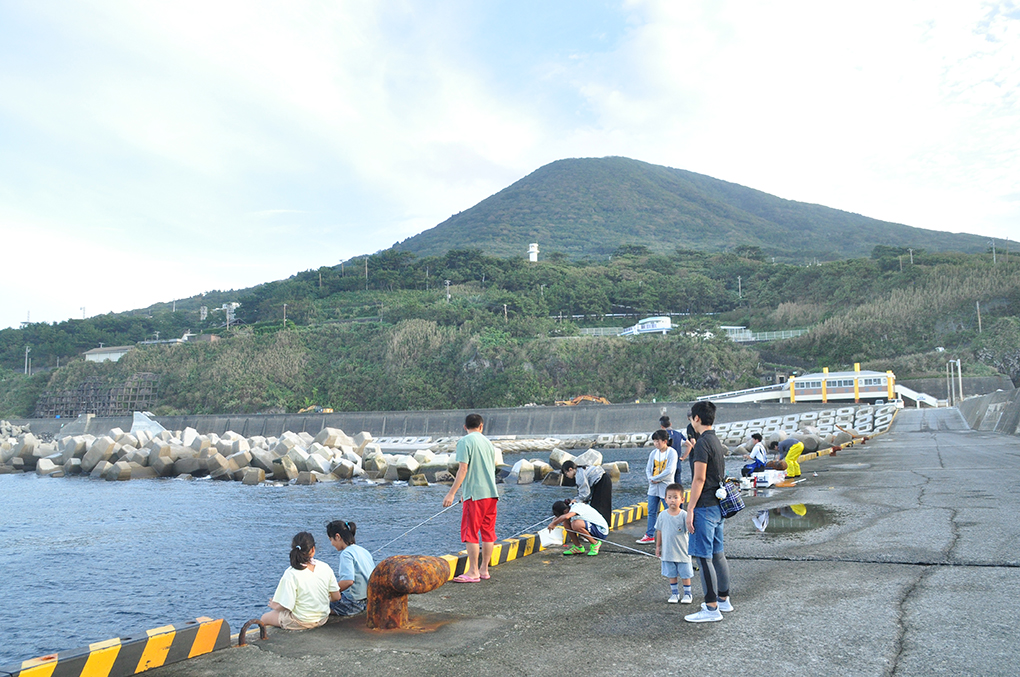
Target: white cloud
244, 141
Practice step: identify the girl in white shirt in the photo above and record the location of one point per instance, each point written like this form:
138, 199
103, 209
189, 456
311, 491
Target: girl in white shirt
302, 598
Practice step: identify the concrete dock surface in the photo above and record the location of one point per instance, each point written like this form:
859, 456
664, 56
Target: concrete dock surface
906, 563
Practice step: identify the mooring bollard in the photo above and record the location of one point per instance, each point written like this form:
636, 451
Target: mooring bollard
394, 579
242, 637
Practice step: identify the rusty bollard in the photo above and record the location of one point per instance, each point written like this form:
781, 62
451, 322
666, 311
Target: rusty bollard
394, 579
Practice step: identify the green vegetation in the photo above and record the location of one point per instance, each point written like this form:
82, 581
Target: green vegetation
432, 324
585, 207
508, 335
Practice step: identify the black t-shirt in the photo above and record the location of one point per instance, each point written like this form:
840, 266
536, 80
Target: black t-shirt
710, 451
692, 435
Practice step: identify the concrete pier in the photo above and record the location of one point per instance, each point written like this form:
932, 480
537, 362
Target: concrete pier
914, 570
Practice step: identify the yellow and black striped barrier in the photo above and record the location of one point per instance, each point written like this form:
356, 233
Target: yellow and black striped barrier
510, 549
130, 655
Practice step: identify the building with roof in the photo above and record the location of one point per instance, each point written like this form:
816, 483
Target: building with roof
107, 354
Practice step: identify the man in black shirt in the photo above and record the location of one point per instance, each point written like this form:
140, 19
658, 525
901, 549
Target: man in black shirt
704, 518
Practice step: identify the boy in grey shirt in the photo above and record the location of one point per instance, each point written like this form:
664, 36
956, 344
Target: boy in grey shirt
671, 545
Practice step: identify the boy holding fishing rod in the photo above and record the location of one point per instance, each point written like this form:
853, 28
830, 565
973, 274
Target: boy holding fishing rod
476, 472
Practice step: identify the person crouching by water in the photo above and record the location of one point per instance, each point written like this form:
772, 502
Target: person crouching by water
302, 598
356, 565
594, 486
583, 522
758, 457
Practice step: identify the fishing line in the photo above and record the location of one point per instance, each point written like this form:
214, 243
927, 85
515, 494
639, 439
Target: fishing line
415, 527
527, 529
618, 545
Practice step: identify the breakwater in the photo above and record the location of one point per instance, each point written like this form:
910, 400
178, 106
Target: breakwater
525, 421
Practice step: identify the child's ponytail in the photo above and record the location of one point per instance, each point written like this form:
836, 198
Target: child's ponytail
343, 529
301, 550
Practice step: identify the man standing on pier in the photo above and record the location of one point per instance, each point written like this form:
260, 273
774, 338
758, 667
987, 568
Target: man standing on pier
476, 472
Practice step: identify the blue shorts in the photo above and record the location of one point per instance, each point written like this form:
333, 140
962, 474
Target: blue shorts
347, 605
707, 538
677, 569
596, 531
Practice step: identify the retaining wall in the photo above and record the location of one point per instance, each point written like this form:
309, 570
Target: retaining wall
524, 421
972, 385
998, 412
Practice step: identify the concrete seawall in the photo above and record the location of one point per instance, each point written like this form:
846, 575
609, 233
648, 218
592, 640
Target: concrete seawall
998, 412
525, 421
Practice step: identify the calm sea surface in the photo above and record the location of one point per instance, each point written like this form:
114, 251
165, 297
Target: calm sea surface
87, 560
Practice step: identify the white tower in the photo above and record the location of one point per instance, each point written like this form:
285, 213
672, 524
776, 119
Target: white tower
533, 252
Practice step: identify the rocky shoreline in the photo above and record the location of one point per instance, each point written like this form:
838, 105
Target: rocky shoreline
299, 458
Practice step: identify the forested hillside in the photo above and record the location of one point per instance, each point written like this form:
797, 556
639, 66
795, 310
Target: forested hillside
592, 206
508, 333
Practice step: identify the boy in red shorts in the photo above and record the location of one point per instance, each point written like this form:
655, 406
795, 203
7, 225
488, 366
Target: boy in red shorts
476, 472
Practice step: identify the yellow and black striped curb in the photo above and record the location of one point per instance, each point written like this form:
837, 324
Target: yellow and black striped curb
130, 655
510, 549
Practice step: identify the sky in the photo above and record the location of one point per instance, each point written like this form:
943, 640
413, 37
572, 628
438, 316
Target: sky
161, 149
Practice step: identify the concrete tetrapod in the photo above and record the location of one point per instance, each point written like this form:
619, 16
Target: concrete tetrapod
393, 579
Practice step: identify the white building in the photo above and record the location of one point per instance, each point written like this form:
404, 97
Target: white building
649, 325
107, 354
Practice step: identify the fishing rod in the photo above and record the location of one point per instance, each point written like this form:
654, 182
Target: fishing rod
416, 526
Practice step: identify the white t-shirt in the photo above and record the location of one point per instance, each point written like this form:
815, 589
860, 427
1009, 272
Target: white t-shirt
758, 453
306, 593
589, 514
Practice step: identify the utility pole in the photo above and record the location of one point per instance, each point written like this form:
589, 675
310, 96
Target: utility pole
542, 289
900, 257
740, 293
978, 304
505, 318
426, 278
959, 376
175, 306
284, 315
949, 384
320, 279
83, 312
366, 273
993, 251
911, 255
447, 291
28, 349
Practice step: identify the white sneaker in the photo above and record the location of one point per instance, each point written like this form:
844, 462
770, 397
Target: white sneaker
706, 615
724, 605
687, 599
673, 599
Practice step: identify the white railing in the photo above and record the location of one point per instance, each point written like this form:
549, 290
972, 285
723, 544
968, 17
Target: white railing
601, 331
747, 391
756, 336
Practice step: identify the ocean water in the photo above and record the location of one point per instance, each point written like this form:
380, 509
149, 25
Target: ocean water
86, 560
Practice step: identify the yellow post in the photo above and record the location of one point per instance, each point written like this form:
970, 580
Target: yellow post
793, 394
892, 382
857, 386
825, 384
